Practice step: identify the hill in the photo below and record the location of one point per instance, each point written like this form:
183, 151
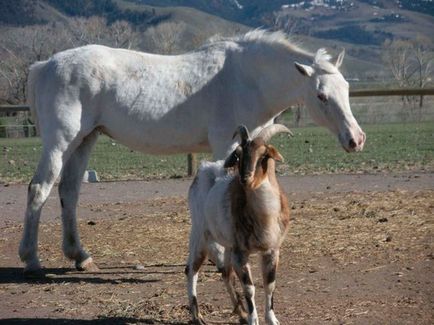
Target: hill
367, 22
359, 26
35, 29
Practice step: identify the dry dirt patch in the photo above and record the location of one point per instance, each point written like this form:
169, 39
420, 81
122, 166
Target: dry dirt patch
350, 258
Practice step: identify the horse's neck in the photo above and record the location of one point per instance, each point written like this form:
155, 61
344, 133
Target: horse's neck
279, 82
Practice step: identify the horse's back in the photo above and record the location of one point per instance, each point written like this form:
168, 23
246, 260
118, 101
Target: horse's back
162, 99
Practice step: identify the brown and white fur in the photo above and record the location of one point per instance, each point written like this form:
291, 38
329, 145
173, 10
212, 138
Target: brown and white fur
245, 211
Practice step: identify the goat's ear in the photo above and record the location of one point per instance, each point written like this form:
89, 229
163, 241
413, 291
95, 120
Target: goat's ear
273, 153
232, 160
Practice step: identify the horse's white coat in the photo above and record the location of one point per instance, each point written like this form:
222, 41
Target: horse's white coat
168, 104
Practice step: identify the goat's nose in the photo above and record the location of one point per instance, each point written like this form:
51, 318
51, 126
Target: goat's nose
352, 144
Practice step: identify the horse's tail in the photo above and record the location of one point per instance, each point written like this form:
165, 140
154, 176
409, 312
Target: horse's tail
34, 72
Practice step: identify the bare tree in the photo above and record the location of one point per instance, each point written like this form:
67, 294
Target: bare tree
165, 38
123, 35
423, 61
396, 55
19, 48
283, 20
22, 46
410, 61
92, 30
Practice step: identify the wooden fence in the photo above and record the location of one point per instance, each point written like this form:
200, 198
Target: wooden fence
191, 159
353, 93
391, 92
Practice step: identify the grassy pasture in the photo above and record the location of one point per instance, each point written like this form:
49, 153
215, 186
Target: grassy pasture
396, 147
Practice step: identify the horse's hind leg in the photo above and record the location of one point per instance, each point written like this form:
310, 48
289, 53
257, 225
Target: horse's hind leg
47, 172
69, 189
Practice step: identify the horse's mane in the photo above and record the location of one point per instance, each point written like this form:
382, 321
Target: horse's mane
321, 59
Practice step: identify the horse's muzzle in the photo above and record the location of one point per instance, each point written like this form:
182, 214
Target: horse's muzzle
355, 143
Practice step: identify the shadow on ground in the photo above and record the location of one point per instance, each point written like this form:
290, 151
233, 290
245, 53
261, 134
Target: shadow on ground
100, 321
62, 275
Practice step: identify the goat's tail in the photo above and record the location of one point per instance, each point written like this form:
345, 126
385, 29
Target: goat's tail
34, 72
205, 179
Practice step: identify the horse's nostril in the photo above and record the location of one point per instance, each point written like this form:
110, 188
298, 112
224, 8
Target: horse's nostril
352, 144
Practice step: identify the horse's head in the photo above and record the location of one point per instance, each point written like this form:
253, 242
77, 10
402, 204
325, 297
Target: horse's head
327, 100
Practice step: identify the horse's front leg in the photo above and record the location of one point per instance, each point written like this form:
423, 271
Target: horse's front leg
270, 260
69, 189
242, 268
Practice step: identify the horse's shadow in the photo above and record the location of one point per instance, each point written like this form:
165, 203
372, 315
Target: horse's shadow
99, 321
104, 276
61, 275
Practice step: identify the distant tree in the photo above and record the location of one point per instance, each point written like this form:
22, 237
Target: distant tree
423, 62
90, 30
165, 38
96, 30
410, 61
123, 35
22, 46
396, 56
19, 48
283, 20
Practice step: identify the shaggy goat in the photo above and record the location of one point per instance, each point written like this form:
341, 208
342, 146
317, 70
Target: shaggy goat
245, 212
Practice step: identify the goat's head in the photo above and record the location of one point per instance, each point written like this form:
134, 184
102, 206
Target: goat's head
252, 156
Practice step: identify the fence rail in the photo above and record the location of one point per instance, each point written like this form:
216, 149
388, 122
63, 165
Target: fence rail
353, 93
391, 92
14, 108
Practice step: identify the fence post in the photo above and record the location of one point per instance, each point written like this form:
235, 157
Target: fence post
192, 164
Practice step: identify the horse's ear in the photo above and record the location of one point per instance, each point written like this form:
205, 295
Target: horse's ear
305, 70
339, 59
273, 153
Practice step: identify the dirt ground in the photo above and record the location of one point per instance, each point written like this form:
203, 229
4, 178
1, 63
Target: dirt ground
360, 251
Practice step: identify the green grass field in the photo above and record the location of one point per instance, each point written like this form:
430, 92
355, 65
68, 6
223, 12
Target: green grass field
313, 150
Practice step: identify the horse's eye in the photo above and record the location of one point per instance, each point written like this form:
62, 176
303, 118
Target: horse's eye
322, 97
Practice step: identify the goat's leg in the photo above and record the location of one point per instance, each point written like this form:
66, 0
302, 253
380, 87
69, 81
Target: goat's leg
229, 276
216, 254
270, 260
197, 256
69, 189
48, 170
242, 268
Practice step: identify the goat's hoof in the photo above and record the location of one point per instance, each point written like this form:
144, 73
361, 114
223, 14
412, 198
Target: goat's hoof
270, 318
32, 273
242, 315
87, 265
241, 311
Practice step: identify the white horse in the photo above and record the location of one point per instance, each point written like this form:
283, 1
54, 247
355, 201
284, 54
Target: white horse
168, 104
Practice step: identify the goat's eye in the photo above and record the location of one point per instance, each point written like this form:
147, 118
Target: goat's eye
322, 97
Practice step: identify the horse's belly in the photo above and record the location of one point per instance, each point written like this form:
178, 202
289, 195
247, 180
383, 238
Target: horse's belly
155, 138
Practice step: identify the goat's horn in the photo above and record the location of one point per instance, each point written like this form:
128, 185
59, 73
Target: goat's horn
268, 132
243, 132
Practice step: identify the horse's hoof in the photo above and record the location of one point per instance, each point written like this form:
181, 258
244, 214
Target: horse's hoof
87, 265
34, 273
